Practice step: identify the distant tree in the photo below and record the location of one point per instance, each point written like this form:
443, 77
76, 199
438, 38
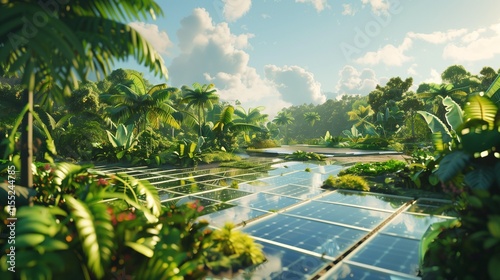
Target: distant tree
200, 97
410, 104
454, 74
392, 91
284, 119
312, 117
487, 77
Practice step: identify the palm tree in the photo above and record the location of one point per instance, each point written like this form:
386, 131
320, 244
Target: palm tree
131, 104
201, 97
51, 47
226, 128
312, 117
284, 119
361, 115
251, 116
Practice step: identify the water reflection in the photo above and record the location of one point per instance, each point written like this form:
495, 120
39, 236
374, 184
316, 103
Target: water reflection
411, 225
365, 199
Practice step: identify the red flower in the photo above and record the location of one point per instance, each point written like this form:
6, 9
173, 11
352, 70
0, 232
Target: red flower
102, 182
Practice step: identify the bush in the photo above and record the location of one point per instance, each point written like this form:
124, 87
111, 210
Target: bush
219, 156
374, 168
304, 156
263, 144
350, 182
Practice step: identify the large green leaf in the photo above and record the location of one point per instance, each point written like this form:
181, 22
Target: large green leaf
493, 91
475, 139
95, 231
436, 125
480, 108
480, 178
454, 114
452, 164
432, 233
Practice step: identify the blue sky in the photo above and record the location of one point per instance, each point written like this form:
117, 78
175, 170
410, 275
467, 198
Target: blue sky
278, 53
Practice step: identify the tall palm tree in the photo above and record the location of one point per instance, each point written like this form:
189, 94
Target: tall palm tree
132, 104
202, 97
226, 128
51, 46
311, 117
250, 116
284, 119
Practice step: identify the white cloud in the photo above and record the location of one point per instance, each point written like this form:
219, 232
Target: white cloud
412, 71
352, 81
295, 84
348, 10
388, 55
475, 46
151, 32
434, 77
378, 6
235, 9
265, 16
472, 36
438, 37
319, 5
210, 53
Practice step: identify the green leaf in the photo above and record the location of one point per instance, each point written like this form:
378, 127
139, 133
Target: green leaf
494, 225
431, 234
480, 108
454, 114
477, 139
480, 178
452, 164
493, 266
95, 232
493, 91
141, 248
436, 125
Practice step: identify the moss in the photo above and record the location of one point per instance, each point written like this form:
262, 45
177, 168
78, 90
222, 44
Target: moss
219, 156
351, 182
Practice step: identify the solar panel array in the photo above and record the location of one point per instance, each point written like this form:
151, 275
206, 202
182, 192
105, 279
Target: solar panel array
302, 227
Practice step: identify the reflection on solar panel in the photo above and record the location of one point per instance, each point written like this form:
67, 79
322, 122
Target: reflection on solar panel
411, 225
377, 201
224, 194
390, 252
433, 207
342, 214
297, 191
283, 263
236, 215
322, 238
371, 232
266, 202
347, 270
193, 188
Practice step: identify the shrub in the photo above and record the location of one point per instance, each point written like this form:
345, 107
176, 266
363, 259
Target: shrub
262, 144
351, 182
219, 156
304, 156
374, 168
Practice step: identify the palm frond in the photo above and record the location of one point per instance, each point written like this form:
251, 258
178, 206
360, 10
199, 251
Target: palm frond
95, 231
